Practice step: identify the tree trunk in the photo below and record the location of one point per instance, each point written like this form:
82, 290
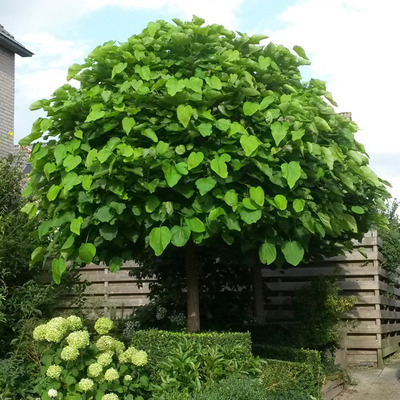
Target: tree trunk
258, 293
192, 284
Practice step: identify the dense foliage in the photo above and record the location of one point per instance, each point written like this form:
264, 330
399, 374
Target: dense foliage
320, 310
391, 238
21, 299
159, 344
195, 131
16, 243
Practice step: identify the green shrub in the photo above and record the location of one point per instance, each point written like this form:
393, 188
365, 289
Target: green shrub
283, 376
190, 365
307, 356
159, 344
234, 388
74, 367
246, 388
320, 310
16, 378
391, 238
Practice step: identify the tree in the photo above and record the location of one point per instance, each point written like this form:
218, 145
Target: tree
391, 238
190, 135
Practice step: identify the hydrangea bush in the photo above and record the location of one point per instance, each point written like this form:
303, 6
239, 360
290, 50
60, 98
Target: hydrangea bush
81, 365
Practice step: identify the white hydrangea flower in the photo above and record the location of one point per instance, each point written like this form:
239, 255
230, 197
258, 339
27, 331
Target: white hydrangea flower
39, 333
105, 343
111, 375
105, 359
74, 323
128, 378
110, 396
56, 329
85, 385
54, 371
139, 358
94, 370
103, 325
69, 353
52, 393
78, 339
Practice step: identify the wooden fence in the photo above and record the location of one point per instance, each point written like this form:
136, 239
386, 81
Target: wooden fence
115, 293
374, 329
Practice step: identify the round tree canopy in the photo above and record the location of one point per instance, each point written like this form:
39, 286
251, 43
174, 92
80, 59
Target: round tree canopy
195, 131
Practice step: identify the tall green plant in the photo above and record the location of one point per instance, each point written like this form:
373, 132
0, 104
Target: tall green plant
188, 135
391, 238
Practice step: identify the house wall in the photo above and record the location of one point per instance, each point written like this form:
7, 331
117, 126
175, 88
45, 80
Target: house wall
7, 73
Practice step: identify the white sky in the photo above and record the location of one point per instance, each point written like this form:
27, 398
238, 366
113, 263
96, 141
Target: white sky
353, 45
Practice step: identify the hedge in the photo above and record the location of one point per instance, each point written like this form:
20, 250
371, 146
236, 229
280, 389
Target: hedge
283, 376
158, 344
246, 388
310, 357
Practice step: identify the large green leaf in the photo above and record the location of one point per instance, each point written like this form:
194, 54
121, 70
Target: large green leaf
291, 172
118, 68
267, 253
214, 82
279, 131
205, 129
280, 201
298, 205
250, 108
231, 198
95, 113
180, 235
357, 210
152, 203
194, 159
115, 264
53, 192
159, 239
195, 84
249, 144
218, 165
257, 195
150, 134
300, 51
37, 254
87, 251
204, 185
350, 223
184, 114
171, 174
293, 252
60, 152
215, 213
195, 224
104, 214
75, 226
174, 86
127, 124
58, 267
250, 217
322, 125
71, 162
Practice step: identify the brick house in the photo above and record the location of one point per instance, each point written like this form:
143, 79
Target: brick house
8, 48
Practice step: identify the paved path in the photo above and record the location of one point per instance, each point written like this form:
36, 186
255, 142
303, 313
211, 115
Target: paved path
374, 384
